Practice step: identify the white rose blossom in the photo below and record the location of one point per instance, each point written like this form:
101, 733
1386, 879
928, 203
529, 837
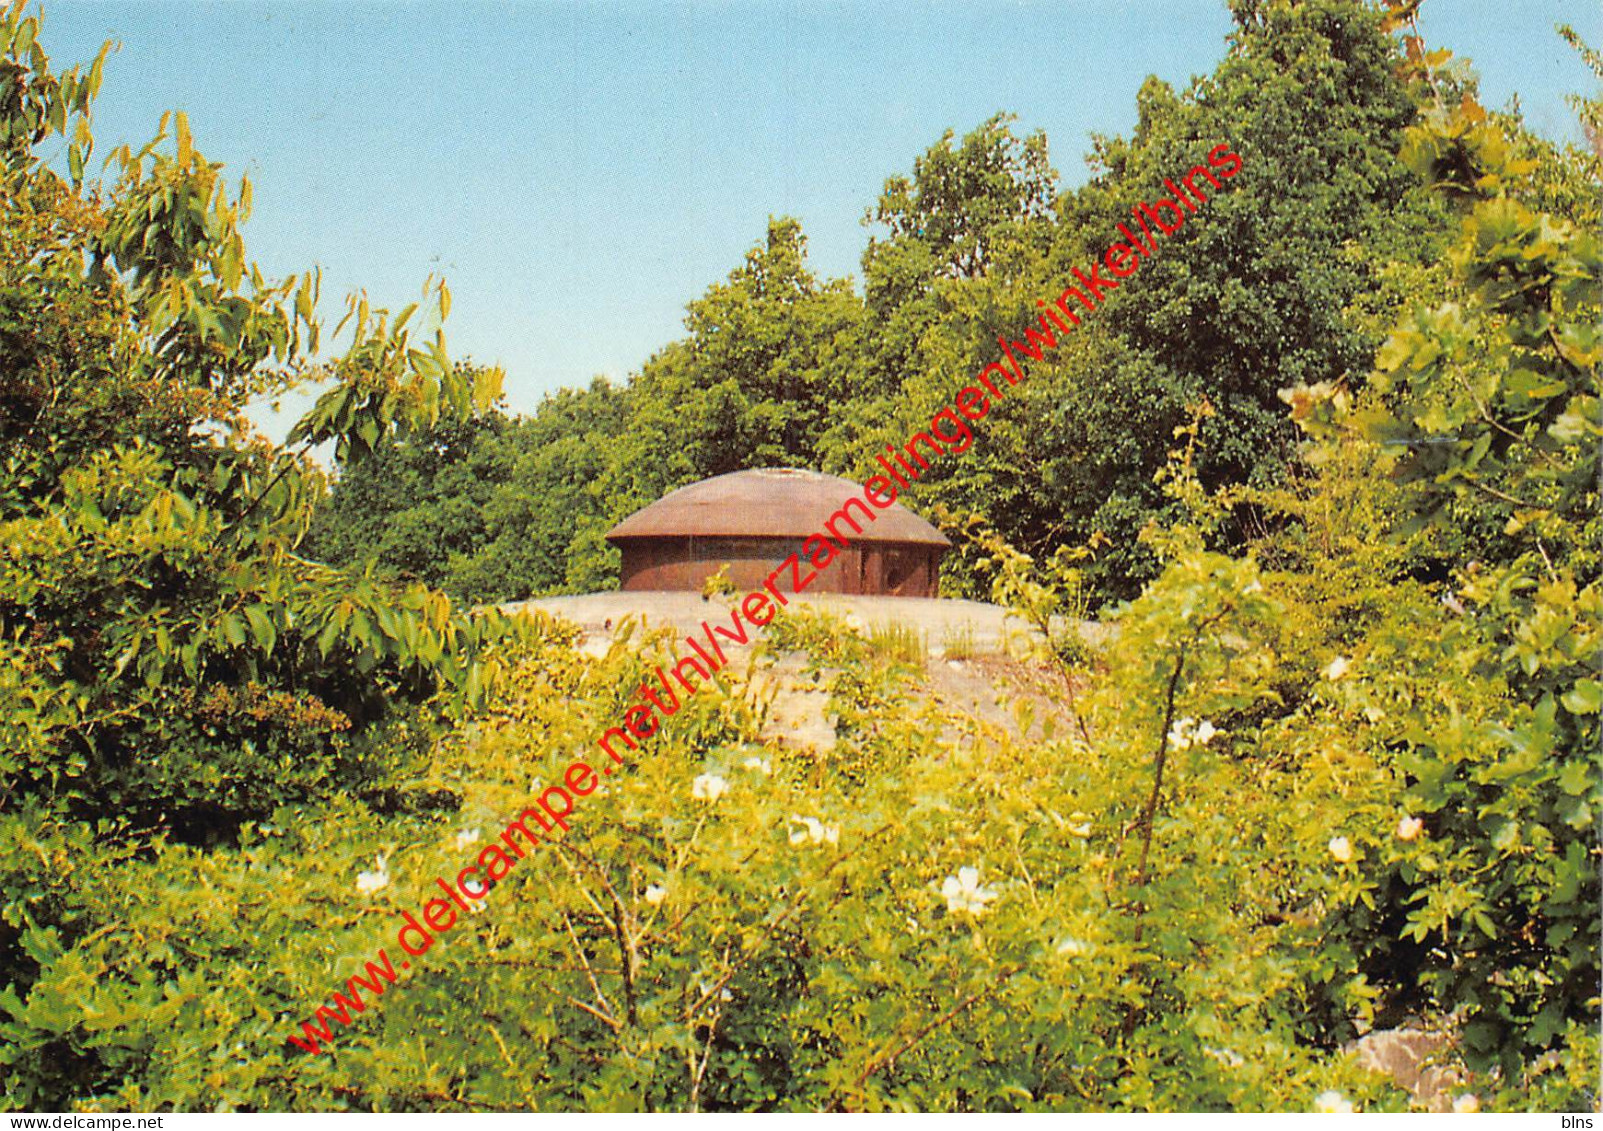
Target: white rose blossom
964, 894
813, 831
369, 882
1409, 828
467, 837
1332, 1103
655, 894
708, 788
1337, 668
1341, 848
760, 765
478, 893
1187, 733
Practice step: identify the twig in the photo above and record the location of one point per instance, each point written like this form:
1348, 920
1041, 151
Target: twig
588, 973
627, 952
292, 461
1074, 706
529, 964
1496, 494
1552, 574
512, 1067
795, 908
611, 1022
1486, 415
699, 1071
925, 1030
741, 962
1149, 814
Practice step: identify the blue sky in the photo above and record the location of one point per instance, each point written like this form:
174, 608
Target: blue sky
580, 171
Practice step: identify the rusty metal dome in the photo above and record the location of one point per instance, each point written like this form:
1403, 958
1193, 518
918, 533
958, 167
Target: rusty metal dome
783, 502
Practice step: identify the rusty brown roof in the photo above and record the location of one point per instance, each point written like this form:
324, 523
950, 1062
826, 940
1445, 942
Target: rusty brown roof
781, 502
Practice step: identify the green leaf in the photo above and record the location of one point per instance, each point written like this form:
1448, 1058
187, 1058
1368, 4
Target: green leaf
261, 627
327, 638
1584, 698
1575, 778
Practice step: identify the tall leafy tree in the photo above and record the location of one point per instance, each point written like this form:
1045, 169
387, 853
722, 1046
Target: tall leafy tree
165, 651
1280, 277
517, 508
771, 353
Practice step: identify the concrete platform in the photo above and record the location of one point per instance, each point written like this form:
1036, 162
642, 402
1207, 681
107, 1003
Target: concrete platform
976, 625
977, 656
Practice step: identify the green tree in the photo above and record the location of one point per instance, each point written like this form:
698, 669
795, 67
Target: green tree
418, 503
1288, 273
168, 654
519, 508
1492, 408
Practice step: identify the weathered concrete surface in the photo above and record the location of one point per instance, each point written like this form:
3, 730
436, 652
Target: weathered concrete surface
943, 623
975, 656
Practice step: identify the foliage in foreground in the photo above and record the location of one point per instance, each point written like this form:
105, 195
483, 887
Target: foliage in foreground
1341, 781
170, 668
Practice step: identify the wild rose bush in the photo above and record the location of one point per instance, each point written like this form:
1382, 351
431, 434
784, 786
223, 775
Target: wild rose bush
967, 924
956, 930
1344, 780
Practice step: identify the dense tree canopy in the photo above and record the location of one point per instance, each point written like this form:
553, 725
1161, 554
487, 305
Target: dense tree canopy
150, 583
1330, 463
1286, 278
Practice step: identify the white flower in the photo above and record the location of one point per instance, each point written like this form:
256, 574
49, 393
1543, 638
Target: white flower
1332, 1103
1227, 1057
964, 893
467, 837
708, 788
369, 882
1074, 948
1336, 668
813, 832
1187, 733
1341, 848
761, 765
1253, 586
1409, 827
655, 894
477, 889
1466, 1104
